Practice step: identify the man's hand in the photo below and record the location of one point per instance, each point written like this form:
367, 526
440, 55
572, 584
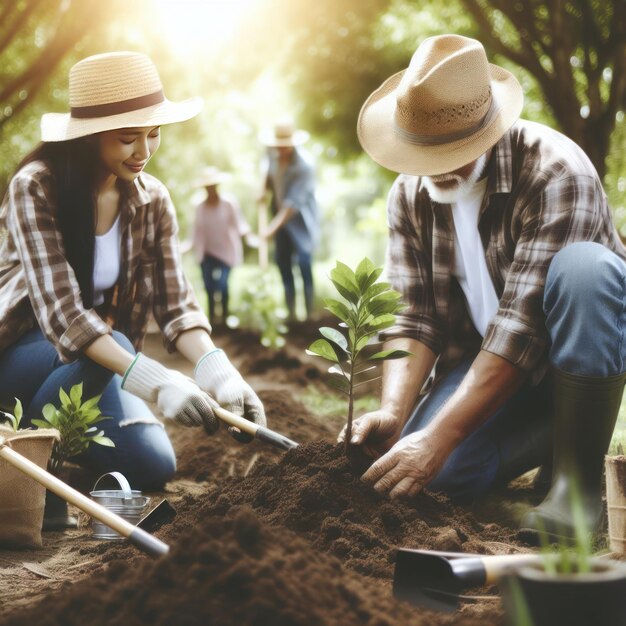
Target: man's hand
409, 466
376, 432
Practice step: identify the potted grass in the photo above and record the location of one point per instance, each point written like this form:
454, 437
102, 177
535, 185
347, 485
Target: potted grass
570, 587
75, 421
366, 307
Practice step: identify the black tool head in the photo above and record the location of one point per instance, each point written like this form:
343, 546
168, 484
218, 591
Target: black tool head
161, 514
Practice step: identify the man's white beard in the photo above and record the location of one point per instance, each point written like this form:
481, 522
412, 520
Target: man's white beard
463, 186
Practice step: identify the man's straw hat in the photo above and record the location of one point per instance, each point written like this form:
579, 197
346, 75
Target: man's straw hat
283, 134
211, 176
115, 90
444, 111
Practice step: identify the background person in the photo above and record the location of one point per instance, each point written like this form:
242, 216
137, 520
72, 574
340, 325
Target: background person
295, 224
502, 243
218, 228
89, 249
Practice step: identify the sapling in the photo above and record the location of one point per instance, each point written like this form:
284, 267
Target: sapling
14, 418
367, 308
75, 420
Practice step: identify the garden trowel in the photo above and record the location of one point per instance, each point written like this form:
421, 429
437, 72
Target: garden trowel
436, 580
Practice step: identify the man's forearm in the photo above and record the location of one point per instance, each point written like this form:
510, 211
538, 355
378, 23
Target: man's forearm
404, 378
280, 219
489, 383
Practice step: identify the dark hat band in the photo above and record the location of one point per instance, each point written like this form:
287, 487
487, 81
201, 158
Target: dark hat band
114, 108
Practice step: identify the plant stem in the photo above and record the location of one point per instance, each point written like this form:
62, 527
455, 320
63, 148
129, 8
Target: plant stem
350, 408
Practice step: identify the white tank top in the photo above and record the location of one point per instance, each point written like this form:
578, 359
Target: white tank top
106, 267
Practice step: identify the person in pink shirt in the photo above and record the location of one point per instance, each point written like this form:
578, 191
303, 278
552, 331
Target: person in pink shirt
218, 229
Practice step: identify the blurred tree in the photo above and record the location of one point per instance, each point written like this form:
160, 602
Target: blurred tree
35, 35
575, 50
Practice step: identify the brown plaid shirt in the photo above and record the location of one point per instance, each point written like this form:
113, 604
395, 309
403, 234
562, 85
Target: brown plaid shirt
542, 194
38, 286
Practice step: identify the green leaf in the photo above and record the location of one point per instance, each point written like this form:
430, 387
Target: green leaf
367, 274
334, 336
388, 355
345, 282
386, 302
338, 309
346, 291
103, 441
40, 423
374, 290
362, 342
382, 321
65, 399
18, 411
49, 412
322, 348
345, 273
76, 394
13, 421
91, 403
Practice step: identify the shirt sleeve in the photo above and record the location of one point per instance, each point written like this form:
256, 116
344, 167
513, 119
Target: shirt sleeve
301, 188
409, 270
50, 280
175, 306
565, 211
243, 228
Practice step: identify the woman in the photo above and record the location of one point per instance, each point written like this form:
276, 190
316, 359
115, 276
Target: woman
88, 248
219, 226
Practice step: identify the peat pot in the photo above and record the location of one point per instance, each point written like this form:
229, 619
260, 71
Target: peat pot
533, 597
616, 501
122, 500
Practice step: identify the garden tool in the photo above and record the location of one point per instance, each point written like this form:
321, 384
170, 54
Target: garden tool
254, 430
435, 580
162, 513
586, 409
138, 537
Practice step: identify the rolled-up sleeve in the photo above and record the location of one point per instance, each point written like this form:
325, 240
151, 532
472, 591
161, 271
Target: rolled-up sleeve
175, 307
50, 280
567, 210
408, 268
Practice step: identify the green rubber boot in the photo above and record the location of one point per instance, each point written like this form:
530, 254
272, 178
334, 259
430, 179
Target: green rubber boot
585, 409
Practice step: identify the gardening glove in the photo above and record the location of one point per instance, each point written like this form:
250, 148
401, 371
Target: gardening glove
216, 375
176, 395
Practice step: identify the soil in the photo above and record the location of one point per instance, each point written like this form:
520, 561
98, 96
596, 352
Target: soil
261, 537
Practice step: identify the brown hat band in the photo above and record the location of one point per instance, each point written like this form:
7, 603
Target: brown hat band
113, 108
438, 140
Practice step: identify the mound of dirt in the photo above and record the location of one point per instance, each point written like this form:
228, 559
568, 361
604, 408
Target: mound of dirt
235, 570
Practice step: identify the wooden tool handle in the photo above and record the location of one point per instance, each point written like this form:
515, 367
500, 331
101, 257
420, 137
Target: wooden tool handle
143, 540
497, 565
254, 430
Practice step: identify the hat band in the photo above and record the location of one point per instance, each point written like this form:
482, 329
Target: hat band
438, 140
114, 108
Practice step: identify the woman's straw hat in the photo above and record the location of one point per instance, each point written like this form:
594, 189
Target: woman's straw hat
211, 176
115, 90
283, 134
448, 108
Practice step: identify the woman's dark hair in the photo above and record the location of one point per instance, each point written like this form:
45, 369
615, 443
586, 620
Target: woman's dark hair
74, 167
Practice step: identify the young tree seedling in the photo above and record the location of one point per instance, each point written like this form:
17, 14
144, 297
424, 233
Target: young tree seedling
367, 308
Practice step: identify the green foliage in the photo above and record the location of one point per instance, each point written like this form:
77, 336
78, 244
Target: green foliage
15, 418
259, 310
368, 307
75, 420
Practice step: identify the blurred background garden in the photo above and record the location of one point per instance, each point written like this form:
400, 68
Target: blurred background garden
316, 61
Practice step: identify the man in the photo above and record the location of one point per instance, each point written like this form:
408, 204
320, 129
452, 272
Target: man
503, 246
294, 226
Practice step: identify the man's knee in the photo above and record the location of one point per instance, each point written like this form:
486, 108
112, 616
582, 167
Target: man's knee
122, 340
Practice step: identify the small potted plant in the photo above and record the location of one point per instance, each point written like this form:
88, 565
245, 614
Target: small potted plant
570, 587
366, 308
76, 422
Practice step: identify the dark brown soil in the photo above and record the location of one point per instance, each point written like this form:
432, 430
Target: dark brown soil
266, 537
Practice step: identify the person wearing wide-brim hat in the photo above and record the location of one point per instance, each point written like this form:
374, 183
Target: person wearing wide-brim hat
290, 180
502, 245
219, 226
89, 250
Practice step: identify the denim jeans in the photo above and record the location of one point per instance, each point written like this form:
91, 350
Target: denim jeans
585, 308
31, 370
215, 275
285, 252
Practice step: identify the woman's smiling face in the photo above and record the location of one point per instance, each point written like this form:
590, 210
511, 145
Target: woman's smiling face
124, 152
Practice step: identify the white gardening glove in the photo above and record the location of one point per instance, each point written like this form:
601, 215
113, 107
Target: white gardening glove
216, 375
176, 395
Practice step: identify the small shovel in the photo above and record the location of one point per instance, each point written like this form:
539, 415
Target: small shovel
435, 580
254, 430
138, 537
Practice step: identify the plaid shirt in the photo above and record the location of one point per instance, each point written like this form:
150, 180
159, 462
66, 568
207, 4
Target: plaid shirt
542, 194
38, 286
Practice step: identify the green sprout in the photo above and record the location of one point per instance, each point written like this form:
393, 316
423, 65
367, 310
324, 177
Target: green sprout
367, 308
16, 417
75, 420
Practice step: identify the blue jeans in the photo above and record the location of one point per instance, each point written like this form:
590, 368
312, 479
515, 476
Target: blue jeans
31, 370
585, 308
285, 252
215, 275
